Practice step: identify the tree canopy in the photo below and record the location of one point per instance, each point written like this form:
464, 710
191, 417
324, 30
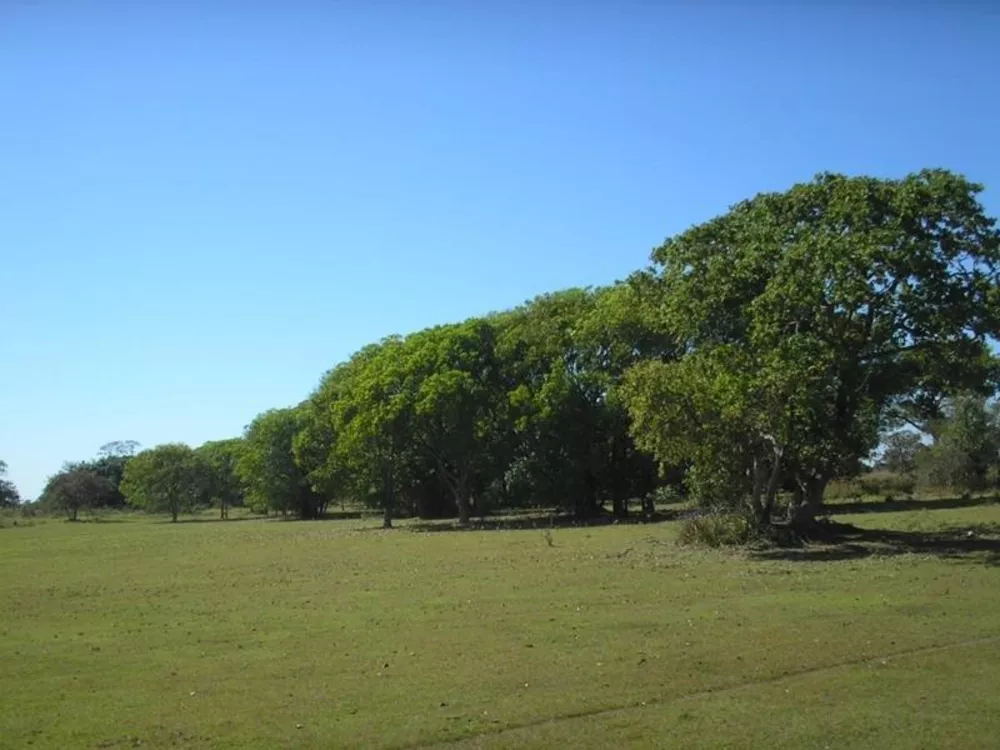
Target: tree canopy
170, 478
805, 318
762, 353
78, 487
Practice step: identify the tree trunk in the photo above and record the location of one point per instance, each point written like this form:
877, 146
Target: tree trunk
459, 488
173, 514
620, 506
759, 474
389, 498
464, 510
773, 483
802, 514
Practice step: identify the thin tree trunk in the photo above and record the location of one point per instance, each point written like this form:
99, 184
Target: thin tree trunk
619, 506
759, 472
773, 483
462, 498
389, 498
459, 488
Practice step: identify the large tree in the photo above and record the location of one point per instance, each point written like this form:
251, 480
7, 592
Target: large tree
834, 304
453, 395
267, 469
169, 478
967, 447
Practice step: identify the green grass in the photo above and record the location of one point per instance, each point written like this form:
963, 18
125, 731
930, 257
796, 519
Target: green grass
262, 633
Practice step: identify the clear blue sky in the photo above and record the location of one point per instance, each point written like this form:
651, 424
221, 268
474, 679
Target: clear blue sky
204, 206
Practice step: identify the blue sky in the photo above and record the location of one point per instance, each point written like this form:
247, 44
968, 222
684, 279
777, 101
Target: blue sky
206, 205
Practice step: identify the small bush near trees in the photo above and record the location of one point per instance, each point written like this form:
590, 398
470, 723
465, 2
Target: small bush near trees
718, 530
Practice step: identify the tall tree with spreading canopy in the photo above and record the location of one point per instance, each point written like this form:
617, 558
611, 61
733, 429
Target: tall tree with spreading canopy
453, 395
169, 478
834, 304
373, 421
267, 469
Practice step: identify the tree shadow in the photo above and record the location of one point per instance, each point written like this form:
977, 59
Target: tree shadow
833, 541
543, 521
216, 519
899, 506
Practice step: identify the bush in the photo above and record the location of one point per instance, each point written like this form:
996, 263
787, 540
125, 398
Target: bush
886, 483
844, 489
717, 530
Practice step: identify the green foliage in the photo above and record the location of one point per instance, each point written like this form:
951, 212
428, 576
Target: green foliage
564, 355
900, 450
266, 467
77, 487
965, 453
762, 355
170, 478
9, 496
222, 456
808, 319
723, 529
886, 483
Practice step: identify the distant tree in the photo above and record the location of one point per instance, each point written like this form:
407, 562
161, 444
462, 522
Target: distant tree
899, 452
77, 487
9, 496
110, 464
119, 449
169, 478
221, 456
967, 447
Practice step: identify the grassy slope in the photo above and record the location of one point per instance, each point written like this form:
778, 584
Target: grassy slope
334, 634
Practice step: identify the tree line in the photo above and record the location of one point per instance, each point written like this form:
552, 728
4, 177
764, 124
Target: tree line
759, 356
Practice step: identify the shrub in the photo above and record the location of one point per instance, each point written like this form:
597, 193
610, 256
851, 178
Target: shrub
886, 483
717, 530
844, 489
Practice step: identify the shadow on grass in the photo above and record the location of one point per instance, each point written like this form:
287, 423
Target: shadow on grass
838, 541
216, 519
542, 521
330, 515
899, 506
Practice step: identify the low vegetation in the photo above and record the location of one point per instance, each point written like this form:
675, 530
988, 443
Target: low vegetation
136, 632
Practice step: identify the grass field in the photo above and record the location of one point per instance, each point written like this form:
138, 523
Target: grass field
133, 632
